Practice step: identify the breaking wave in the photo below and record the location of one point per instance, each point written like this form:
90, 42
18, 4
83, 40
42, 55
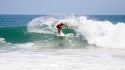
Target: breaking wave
99, 33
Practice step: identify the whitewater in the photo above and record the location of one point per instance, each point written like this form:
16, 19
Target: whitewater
89, 45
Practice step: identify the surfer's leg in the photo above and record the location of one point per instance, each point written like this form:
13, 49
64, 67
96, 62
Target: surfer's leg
59, 31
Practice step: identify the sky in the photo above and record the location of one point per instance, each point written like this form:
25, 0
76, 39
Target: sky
77, 7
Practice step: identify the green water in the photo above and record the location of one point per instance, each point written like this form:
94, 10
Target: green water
20, 35
67, 31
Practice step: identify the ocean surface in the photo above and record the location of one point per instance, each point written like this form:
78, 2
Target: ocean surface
92, 42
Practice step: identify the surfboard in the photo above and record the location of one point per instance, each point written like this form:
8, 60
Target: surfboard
61, 34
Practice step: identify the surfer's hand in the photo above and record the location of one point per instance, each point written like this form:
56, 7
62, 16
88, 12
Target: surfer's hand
67, 27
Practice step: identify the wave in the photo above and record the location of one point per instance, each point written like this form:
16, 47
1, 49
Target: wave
99, 33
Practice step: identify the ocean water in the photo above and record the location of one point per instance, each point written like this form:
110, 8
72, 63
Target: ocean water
31, 42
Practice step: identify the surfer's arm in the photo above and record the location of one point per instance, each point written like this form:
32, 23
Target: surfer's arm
66, 25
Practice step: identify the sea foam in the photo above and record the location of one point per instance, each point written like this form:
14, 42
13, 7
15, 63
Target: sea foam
2, 40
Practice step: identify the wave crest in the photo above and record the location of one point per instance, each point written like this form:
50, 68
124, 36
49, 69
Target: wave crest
42, 25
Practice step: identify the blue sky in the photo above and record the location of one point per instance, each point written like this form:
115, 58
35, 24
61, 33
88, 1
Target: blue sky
78, 7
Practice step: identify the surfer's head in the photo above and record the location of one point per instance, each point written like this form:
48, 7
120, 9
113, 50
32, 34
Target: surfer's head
62, 24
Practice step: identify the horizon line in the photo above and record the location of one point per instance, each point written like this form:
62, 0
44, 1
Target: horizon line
59, 14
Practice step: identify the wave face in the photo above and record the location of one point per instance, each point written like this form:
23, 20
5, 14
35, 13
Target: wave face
99, 33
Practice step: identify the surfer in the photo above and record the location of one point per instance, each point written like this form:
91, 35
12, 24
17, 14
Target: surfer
60, 26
